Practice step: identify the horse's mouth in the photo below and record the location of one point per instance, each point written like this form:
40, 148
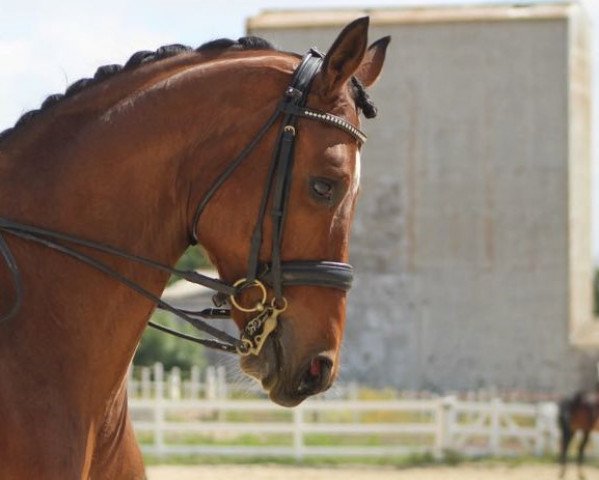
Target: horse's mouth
268, 368
265, 366
286, 385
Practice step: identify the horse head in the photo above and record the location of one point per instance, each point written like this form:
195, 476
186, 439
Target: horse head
280, 218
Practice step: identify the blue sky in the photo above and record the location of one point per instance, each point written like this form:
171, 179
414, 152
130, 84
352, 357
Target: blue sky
45, 46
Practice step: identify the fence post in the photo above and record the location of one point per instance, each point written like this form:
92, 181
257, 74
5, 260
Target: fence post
539, 430
159, 409
146, 384
298, 433
210, 392
445, 419
546, 427
174, 384
495, 433
194, 389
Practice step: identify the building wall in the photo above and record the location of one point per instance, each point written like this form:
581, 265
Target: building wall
473, 222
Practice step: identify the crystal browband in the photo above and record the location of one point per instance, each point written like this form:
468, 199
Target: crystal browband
329, 119
335, 121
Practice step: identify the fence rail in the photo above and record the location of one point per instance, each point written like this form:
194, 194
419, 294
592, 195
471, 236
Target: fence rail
212, 383
172, 417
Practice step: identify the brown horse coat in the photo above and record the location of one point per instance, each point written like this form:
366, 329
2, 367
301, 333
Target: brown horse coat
125, 162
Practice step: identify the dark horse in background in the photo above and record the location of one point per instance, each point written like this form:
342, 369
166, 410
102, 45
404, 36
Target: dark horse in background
125, 159
579, 412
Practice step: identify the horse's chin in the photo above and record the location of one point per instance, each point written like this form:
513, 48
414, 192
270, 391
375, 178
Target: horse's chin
264, 366
268, 367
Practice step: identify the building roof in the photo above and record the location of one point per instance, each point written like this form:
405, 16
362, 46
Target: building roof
317, 18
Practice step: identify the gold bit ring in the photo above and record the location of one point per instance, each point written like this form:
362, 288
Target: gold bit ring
255, 283
273, 304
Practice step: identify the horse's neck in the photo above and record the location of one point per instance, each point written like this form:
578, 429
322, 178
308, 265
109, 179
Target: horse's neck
131, 164
128, 175
89, 168
91, 323
123, 177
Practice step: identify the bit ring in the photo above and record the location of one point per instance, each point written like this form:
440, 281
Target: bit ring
273, 304
256, 284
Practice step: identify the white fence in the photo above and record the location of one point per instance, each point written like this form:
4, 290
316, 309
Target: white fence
210, 384
172, 417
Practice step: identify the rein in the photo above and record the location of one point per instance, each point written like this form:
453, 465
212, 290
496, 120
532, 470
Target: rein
277, 274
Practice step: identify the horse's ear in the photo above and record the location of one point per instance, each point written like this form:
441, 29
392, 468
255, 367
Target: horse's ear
372, 64
344, 56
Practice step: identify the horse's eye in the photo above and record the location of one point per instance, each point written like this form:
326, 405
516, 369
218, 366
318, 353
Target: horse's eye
322, 188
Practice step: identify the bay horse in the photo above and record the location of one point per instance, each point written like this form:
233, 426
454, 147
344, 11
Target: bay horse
122, 173
578, 412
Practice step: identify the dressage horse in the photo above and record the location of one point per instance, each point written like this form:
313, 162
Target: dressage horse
252, 153
578, 412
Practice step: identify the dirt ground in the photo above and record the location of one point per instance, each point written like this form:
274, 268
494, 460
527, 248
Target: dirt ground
275, 472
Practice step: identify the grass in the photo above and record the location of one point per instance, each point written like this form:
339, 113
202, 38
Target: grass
404, 462
408, 461
399, 462
286, 440
371, 440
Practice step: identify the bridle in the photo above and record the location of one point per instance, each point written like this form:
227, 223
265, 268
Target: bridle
276, 275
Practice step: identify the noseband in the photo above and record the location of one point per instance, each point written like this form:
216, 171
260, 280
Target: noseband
276, 274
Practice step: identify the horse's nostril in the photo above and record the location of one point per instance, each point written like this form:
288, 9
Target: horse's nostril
317, 376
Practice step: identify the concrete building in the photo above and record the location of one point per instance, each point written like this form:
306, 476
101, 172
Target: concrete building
472, 239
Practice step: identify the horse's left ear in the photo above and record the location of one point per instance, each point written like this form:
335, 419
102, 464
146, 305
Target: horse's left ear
372, 64
345, 56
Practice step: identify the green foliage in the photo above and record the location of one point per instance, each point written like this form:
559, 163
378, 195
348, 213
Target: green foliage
452, 457
415, 460
193, 258
157, 346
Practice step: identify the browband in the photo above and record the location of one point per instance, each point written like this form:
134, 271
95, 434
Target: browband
329, 119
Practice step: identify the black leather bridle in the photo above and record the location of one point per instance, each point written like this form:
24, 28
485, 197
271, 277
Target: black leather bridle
277, 274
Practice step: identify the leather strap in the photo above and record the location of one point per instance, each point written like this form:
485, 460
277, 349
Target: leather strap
318, 274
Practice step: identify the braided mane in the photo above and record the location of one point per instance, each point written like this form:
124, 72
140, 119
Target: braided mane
139, 58
143, 57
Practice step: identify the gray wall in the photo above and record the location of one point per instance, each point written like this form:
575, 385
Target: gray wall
461, 241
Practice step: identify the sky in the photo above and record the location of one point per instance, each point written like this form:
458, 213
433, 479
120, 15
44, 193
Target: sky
45, 46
